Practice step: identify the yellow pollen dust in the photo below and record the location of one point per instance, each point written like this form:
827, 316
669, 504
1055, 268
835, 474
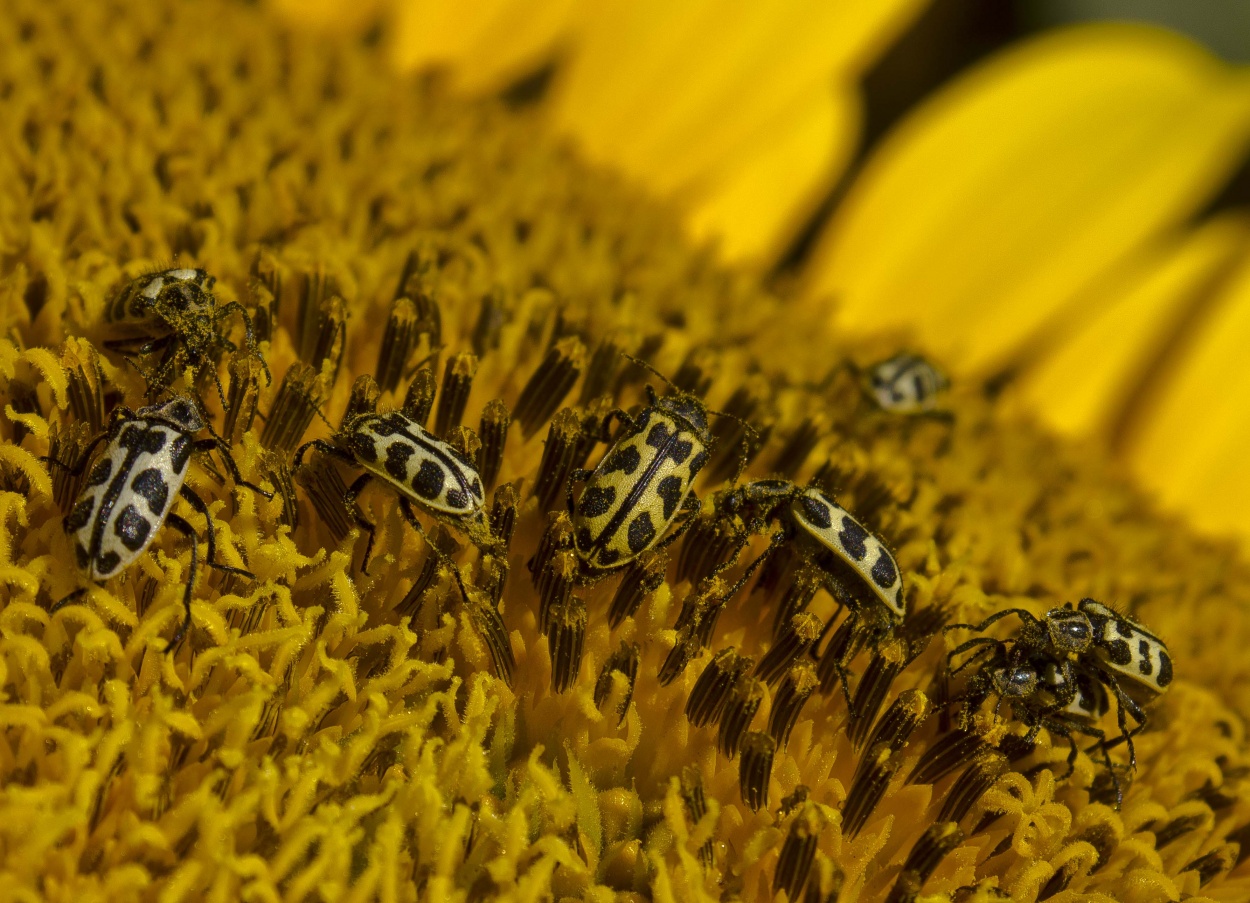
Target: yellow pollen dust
327, 731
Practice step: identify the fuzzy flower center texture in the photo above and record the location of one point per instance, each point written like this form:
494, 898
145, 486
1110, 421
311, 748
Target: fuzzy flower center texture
435, 651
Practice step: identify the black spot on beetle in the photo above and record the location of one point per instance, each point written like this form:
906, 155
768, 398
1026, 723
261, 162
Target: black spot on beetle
624, 460
679, 450
396, 463
1144, 664
853, 538
817, 512
1165, 669
107, 563
581, 539
696, 464
884, 573
101, 472
596, 501
1124, 628
641, 532
151, 486
609, 557
180, 453
659, 435
142, 439
457, 499
670, 492
81, 556
429, 481
132, 528
80, 515
363, 447
476, 487
1118, 652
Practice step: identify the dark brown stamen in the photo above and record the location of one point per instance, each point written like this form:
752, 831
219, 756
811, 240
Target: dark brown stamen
712, 688
242, 397
66, 445
85, 383
549, 384
846, 641
794, 641
457, 384
491, 319
824, 884
625, 661
442, 540
903, 716
708, 543
603, 367
744, 701
643, 577
399, 338
952, 750
314, 289
330, 341
503, 514
564, 451
799, 684
363, 398
490, 627
280, 472
870, 695
728, 433
494, 433
419, 399
795, 599
925, 856
872, 778
986, 768
755, 769
793, 453
798, 851
697, 371
1214, 863
566, 633
293, 409
695, 798
324, 485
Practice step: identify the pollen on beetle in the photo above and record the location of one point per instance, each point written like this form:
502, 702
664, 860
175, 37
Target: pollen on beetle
717, 717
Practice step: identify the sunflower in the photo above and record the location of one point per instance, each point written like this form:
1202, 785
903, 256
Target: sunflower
453, 720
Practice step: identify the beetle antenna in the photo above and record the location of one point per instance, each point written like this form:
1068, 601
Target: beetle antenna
650, 369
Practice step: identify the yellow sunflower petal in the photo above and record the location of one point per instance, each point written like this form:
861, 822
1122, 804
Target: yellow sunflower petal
754, 202
672, 92
1082, 387
994, 205
484, 45
1191, 448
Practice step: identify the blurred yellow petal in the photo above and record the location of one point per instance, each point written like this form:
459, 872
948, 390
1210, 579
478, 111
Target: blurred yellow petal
327, 15
1082, 387
754, 202
1191, 449
679, 95
483, 45
984, 217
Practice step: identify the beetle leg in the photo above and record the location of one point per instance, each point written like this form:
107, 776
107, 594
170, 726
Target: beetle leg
349, 500
210, 534
180, 524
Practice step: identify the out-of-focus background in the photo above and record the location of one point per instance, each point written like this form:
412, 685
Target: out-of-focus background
952, 35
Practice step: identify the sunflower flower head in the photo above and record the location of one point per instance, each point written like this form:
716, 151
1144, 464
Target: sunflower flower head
331, 728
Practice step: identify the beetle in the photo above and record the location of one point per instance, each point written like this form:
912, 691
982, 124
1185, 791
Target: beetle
1088, 641
644, 482
807, 513
855, 566
905, 384
177, 304
422, 470
129, 493
1044, 692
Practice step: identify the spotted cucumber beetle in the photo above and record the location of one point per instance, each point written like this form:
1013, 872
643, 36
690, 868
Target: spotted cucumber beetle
644, 482
808, 513
422, 470
853, 564
1044, 692
1090, 641
180, 306
129, 493
905, 384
